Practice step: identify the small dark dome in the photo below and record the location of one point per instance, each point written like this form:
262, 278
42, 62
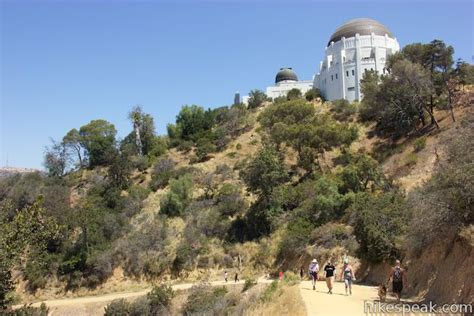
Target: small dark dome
286, 74
362, 26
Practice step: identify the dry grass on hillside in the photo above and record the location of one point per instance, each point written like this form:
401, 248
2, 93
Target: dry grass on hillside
288, 301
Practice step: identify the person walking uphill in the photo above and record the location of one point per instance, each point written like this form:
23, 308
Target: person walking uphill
398, 276
330, 269
348, 274
313, 272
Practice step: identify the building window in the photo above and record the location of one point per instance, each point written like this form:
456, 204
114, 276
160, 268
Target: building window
351, 89
353, 72
332, 77
336, 76
347, 73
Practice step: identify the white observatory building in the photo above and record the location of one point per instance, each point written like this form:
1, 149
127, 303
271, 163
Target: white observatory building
356, 46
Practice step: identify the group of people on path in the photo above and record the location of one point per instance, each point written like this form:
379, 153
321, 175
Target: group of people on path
347, 274
397, 275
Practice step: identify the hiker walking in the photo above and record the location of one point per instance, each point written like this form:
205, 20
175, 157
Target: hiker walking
330, 269
313, 272
225, 276
398, 276
236, 279
348, 275
301, 273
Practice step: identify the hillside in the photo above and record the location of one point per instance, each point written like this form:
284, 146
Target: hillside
252, 191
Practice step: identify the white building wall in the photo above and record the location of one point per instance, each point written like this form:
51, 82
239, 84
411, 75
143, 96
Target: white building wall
281, 89
346, 61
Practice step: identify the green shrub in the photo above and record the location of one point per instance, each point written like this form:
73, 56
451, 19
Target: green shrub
203, 298
185, 145
380, 220
27, 310
411, 159
160, 296
256, 99
419, 144
333, 235
178, 198
238, 146
231, 154
141, 163
343, 110
118, 307
249, 283
294, 94
295, 238
270, 291
313, 94
291, 278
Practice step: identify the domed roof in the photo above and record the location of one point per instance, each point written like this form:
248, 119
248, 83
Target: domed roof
362, 26
286, 74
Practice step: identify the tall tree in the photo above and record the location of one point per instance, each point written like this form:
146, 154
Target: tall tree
136, 117
405, 98
265, 171
56, 159
72, 141
256, 99
98, 140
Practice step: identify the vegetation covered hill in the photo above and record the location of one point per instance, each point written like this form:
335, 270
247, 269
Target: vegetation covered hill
252, 189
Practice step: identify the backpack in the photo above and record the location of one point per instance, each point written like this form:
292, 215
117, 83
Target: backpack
397, 275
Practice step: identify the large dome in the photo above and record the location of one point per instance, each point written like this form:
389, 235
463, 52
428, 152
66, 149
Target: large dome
286, 74
363, 26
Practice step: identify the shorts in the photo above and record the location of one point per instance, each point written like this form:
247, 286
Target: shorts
348, 281
329, 282
397, 287
314, 275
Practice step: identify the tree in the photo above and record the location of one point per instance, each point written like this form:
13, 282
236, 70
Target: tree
379, 220
404, 96
293, 94
56, 159
27, 235
362, 171
370, 108
98, 140
436, 58
175, 202
439, 62
312, 94
119, 171
72, 141
444, 206
265, 171
256, 99
464, 72
192, 121
296, 124
143, 139
136, 116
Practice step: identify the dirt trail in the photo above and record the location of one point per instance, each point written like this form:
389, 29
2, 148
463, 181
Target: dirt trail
319, 302
94, 305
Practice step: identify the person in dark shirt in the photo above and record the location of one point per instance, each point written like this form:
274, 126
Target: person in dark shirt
399, 278
330, 270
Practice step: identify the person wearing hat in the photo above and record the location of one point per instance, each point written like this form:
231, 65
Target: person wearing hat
313, 272
348, 275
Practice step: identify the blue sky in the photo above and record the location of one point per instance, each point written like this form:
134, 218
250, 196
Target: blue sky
64, 63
